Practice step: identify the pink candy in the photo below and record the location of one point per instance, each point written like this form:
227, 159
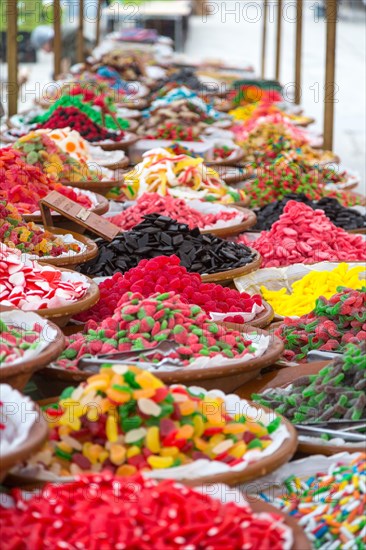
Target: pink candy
30, 286
304, 235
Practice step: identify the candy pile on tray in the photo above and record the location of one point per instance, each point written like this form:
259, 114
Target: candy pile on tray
304, 235
181, 176
127, 420
141, 324
24, 185
30, 286
178, 209
165, 274
329, 326
16, 341
162, 515
29, 237
159, 235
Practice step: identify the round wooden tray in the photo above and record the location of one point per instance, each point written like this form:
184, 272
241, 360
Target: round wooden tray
120, 165
62, 315
231, 174
128, 140
99, 187
231, 274
253, 471
262, 320
225, 378
237, 156
74, 259
36, 437
235, 229
19, 374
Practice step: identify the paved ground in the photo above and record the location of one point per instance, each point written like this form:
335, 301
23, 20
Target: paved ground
234, 33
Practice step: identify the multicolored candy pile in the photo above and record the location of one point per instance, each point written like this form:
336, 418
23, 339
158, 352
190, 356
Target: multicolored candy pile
141, 324
305, 291
329, 326
304, 235
30, 286
159, 235
126, 420
29, 237
24, 185
165, 274
336, 392
156, 515
16, 341
181, 176
178, 209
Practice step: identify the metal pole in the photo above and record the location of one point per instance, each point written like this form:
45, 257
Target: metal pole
80, 42
12, 57
278, 38
97, 29
330, 74
264, 37
298, 53
57, 37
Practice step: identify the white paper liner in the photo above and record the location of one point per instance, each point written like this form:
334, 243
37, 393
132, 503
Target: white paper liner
202, 467
18, 413
101, 157
247, 316
276, 278
67, 239
24, 320
214, 208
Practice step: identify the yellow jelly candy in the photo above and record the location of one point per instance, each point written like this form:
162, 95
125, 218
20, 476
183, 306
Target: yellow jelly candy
238, 450
200, 443
117, 454
153, 439
133, 451
118, 396
159, 462
147, 381
234, 428
141, 394
187, 407
126, 470
111, 429
169, 451
199, 425
185, 432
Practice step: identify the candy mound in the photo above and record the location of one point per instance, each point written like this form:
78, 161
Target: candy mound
337, 391
40, 150
306, 290
165, 274
160, 514
178, 209
16, 341
161, 236
24, 185
28, 237
329, 326
65, 117
70, 142
304, 235
29, 286
126, 420
181, 176
141, 324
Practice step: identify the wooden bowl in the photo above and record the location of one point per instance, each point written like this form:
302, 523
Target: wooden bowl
61, 315
308, 448
74, 259
225, 378
236, 228
64, 223
124, 144
36, 437
262, 320
231, 274
120, 165
237, 156
19, 374
98, 187
231, 174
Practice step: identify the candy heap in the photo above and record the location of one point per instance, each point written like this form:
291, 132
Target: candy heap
306, 290
304, 235
165, 274
346, 218
140, 506
159, 235
293, 175
16, 341
329, 505
24, 184
126, 420
40, 150
140, 324
329, 326
71, 117
29, 237
181, 176
178, 209
337, 391
30, 286
70, 142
